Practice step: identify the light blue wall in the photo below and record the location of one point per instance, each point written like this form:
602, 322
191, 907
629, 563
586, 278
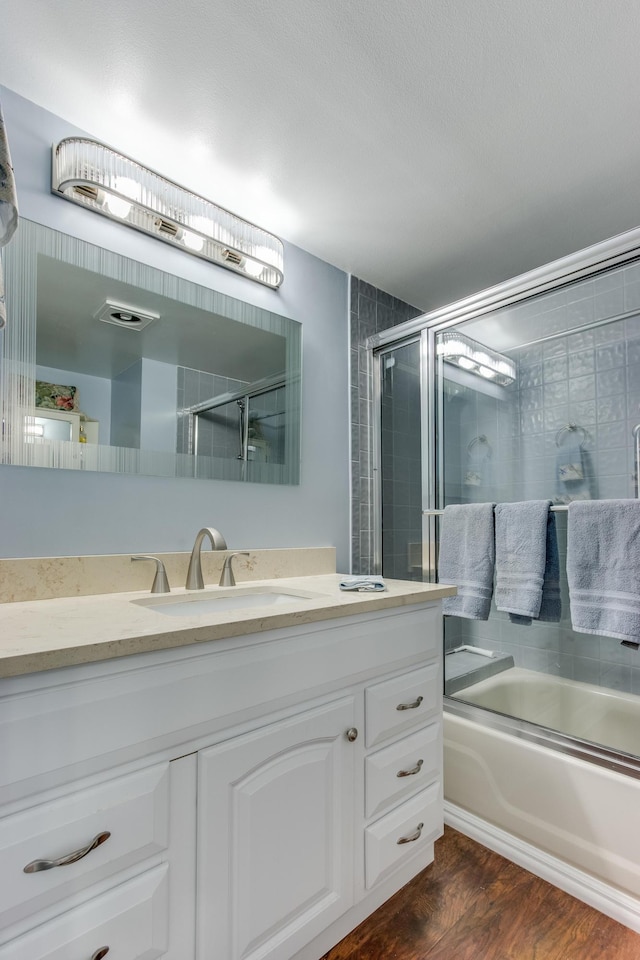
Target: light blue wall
126, 407
158, 412
66, 513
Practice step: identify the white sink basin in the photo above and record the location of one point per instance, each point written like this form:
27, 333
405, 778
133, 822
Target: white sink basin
215, 601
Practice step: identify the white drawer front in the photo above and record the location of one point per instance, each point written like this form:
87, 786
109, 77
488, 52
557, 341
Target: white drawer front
133, 808
131, 920
418, 821
395, 772
401, 703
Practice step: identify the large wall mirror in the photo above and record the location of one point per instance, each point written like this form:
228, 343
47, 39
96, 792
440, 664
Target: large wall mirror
112, 365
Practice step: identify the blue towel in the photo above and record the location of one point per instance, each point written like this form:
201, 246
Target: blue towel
521, 556
551, 605
466, 559
603, 567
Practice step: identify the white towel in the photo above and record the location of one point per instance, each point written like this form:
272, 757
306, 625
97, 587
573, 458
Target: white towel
8, 206
363, 584
603, 567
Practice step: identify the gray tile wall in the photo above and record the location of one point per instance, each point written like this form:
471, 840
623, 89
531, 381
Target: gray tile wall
371, 311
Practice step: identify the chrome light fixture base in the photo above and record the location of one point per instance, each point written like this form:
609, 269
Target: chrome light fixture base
94, 176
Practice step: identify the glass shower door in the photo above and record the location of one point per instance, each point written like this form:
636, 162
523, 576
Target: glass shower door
400, 460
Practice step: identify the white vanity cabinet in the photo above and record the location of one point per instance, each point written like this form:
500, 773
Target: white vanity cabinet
275, 834
263, 794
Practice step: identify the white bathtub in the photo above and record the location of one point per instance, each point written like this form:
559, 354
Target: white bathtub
569, 820
577, 709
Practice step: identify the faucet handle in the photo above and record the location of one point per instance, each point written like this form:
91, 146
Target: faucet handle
227, 578
160, 581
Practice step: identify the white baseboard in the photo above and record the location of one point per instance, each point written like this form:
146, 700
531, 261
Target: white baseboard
609, 900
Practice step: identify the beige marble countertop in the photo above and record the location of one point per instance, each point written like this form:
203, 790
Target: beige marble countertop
46, 634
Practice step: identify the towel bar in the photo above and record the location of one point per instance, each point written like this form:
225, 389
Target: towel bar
560, 508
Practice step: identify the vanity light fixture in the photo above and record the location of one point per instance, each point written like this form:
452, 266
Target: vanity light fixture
95, 176
470, 355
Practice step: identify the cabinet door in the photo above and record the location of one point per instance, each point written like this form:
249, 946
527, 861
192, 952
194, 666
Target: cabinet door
275, 835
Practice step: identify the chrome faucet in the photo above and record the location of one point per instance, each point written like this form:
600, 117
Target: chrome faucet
227, 578
194, 573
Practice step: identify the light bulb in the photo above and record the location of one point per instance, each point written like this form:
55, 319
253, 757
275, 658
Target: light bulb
252, 267
192, 241
466, 363
117, 206
128, 188
486, 372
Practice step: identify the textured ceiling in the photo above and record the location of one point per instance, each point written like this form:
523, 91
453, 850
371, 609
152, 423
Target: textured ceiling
432, 147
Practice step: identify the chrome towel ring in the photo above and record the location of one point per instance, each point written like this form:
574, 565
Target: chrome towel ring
571, 428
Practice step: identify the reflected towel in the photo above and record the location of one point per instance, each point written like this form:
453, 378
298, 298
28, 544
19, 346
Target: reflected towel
521, 556
572, 472
466, 559
603, 567
8, 207
551, 605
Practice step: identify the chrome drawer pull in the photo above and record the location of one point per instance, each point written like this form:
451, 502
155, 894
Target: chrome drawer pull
412, 772
410, 706
37, 865
412, 836
100, 953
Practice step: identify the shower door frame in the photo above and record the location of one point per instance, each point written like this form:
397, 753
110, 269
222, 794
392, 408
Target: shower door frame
586, 263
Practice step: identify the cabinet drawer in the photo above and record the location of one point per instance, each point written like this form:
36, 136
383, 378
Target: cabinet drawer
395, 772
133, 808
419, 820
131, 920
401, 703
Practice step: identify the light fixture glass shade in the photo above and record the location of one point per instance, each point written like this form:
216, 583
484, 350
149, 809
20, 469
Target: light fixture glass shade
464, 352
91, 174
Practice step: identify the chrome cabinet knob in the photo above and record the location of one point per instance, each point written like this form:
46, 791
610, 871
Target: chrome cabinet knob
351, 734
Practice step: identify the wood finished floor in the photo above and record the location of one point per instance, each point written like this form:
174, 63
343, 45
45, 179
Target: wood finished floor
472, 904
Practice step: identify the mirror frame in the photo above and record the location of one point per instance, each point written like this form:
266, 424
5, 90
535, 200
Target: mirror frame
18, 368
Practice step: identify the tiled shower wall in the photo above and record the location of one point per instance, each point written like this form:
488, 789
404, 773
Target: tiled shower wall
590, 378
371, 311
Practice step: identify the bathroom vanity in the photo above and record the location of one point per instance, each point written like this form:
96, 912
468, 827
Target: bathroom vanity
248, 784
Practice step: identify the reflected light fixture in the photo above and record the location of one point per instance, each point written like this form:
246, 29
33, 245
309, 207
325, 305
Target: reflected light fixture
95, 176
470, 355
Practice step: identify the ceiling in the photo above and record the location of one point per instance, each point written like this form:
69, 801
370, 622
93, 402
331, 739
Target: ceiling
431, 147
